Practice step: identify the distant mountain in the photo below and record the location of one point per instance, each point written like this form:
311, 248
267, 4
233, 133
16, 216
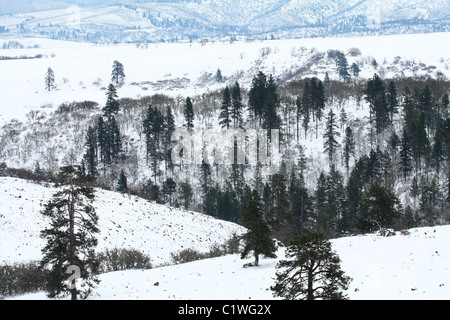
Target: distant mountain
172, 20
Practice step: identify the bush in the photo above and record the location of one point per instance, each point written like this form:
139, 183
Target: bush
187, 255
22, 278
231, 246
123, 259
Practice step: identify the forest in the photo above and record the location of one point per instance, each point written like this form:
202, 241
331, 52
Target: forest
357, 155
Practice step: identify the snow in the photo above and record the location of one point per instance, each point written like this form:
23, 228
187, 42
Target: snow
410, 266
125, 222
83, 70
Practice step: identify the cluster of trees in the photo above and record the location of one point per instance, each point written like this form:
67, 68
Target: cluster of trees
104, 140
409, 147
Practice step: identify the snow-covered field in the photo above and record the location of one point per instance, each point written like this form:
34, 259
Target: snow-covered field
83, 70
412, 266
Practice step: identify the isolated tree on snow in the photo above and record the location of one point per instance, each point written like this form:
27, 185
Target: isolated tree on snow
71, 237
49, 79
257, 238
312, 271
117, 74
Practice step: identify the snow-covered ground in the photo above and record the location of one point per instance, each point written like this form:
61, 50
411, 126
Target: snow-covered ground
403, 266
83, 70
124, 222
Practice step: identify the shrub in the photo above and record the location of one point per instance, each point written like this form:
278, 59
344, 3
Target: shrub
22, 278
123, 259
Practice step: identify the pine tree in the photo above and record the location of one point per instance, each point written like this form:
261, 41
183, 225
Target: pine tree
279, 215
312, 272
301, 206
71, 238
381, 207
257, 238
49, 79
117, 74
375, 95
271, 119
189, 115
342, 66
185, 194
349, 147
225, 112
115, 138
91, 152
355, 69
122, 183
392, 99
219, 77
112, 105
236, 106
169, 188
257, 96
330, 143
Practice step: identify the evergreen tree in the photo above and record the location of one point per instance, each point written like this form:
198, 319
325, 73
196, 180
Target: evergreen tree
112, 105
71, 238
122, 183
103, 142
210, 202
49, 79
405, 155
301, 206
271, 119
91, 152
186, 194
117, 74
169, 128
189, 115
349, 147
330, 143
257, 96
225, 112
219, 77
115, 138
236, 106
342, 66
375, 95
312, 272
381, 208
355, 69
169, 188
257, 238
392, 99
279, 216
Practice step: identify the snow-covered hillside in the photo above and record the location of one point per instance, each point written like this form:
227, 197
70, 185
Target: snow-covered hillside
155, 20
83, 71
124, 222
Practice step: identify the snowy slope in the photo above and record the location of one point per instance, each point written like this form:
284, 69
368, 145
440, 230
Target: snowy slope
401, 267
174, 20
82, 71
125, 222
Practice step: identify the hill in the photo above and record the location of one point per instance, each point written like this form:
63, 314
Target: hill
124, 222
161, 20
